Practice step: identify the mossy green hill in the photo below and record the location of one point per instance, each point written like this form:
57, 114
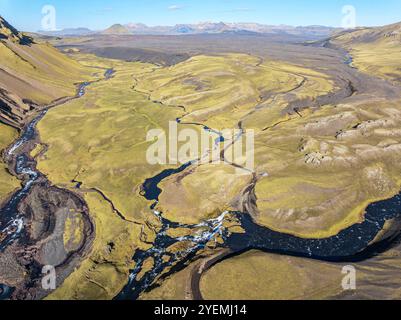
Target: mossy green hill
33, 74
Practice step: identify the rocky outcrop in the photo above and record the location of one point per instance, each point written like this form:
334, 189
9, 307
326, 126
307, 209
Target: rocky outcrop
8, 32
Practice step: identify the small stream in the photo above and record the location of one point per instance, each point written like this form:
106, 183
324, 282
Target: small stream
349, 60
201, 235
11, 220
351, 244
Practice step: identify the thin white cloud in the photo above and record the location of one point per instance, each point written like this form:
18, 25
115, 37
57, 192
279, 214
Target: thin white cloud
175, 7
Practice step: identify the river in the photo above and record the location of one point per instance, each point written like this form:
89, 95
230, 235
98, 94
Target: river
11, 219
351, 244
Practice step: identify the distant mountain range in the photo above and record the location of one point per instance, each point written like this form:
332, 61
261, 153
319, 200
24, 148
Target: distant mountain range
69, 32
200, 28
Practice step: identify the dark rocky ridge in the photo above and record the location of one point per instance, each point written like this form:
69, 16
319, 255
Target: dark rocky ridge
8, 32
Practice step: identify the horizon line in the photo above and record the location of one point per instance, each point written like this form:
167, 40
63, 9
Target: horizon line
213, 22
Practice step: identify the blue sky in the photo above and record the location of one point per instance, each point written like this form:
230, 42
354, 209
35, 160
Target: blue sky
99, 14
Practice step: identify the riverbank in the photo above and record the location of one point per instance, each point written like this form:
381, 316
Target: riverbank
34, 219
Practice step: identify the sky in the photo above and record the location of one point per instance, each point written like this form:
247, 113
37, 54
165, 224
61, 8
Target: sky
26, 15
